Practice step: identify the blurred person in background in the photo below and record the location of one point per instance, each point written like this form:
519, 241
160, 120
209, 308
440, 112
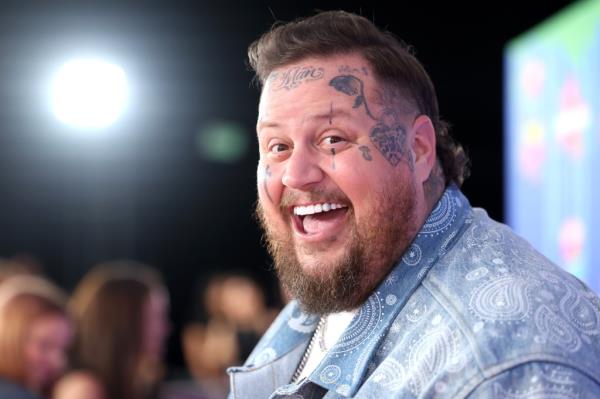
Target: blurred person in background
244, 306
121, 312
35, 333
236, 317
19, 264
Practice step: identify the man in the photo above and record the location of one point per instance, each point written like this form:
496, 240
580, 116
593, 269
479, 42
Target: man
402, 289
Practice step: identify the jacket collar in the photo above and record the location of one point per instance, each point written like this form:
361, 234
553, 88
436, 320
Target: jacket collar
344, 367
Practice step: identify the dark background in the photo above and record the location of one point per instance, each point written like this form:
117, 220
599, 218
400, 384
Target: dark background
141, 189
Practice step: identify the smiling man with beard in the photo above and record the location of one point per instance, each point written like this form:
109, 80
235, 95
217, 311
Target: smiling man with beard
401, 288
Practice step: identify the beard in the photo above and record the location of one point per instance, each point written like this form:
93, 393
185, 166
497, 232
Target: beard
372, 249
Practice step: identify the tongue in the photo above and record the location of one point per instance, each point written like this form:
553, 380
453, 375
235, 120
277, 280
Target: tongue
322, 221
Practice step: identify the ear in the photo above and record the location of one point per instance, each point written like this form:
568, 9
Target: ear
423, 147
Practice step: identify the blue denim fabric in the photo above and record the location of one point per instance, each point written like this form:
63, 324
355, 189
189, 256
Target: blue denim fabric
470, 311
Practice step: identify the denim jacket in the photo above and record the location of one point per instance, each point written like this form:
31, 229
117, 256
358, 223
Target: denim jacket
470, 311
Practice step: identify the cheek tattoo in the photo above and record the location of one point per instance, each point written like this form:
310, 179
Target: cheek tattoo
389, 138
266, 176
366, 153
333, 158
388, 135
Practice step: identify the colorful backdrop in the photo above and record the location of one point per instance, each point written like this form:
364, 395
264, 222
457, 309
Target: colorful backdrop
552, 138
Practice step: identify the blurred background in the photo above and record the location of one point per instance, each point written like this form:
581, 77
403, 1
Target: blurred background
172, 181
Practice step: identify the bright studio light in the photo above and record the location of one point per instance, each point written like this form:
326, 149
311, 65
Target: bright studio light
89, 93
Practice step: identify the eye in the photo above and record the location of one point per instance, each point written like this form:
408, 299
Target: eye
331, 140
278, 148
334, 142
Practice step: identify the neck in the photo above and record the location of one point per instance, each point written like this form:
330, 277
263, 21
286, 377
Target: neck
434, 187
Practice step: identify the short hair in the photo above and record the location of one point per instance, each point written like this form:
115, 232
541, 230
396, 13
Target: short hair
331, 33
108, 307
24, 299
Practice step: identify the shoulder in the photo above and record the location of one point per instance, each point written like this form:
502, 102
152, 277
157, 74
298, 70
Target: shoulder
79, 384
537, 379
489, 307
512, 304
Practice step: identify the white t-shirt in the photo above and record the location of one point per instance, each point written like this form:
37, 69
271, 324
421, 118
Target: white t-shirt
333, 327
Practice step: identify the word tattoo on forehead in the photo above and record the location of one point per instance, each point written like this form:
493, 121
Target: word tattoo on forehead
293, 77
366, 153
388, 135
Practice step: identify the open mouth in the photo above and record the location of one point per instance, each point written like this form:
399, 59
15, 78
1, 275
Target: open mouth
318, 218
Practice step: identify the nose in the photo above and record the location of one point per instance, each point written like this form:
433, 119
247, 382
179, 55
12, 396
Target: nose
301, 170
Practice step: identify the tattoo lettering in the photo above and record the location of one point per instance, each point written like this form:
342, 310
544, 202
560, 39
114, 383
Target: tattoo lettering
352, 86
333, 158
292, 78
388, 135
366, 153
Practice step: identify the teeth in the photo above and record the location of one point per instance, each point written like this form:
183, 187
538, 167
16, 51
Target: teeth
316, 208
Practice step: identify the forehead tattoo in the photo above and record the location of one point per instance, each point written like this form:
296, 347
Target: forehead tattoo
354, 87
346, 69
389, 134
291, 78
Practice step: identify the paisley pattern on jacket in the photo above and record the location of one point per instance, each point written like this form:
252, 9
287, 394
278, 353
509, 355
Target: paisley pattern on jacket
470, 311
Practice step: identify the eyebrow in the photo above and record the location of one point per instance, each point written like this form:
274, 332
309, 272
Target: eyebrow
337, 113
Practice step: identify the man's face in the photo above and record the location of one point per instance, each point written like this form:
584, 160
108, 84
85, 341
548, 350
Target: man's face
337, 194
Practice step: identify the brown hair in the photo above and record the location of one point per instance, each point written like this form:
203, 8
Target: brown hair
332, 33
24, 299
108, 307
